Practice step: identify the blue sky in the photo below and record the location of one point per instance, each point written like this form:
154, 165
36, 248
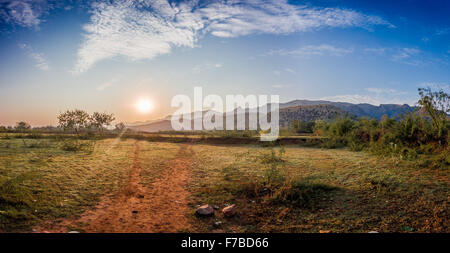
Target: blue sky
104, 56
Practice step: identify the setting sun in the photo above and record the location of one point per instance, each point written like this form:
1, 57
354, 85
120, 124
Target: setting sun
144, 105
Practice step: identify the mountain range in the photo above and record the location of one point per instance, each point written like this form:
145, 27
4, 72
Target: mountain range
304, 110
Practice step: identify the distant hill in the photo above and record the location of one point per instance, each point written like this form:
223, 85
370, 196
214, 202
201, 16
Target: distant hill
359, 110
304, 110
310, 113
162, 125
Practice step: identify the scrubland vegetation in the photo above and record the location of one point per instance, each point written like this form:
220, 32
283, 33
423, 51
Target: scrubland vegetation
299, 189
347, 175
421, 134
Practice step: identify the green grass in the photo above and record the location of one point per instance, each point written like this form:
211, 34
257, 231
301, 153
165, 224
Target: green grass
293, 189
39, 180
336, 190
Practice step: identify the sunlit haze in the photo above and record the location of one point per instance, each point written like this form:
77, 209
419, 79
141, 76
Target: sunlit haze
59, 55
144, 105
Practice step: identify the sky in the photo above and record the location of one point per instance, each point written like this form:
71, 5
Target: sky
107, 55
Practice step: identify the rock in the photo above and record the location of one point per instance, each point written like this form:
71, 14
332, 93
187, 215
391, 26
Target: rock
373, 232
205, 210
73, 232
324, 231
216, 207
229, 210
217, 224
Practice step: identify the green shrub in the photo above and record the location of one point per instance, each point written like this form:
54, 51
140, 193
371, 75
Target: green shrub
74, 145
301, 193
34, 135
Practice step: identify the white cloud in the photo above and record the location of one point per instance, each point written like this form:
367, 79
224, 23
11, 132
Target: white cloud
280, 86
145, 29
376, 96
386, 91
236, 18
442, 31
205, 67
107, 84
289, 70
279, 72
379, 50
435, 85
313, 50
353, 98
406, 55
25, 13
39, 58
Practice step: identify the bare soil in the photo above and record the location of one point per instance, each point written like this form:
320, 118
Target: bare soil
160, 207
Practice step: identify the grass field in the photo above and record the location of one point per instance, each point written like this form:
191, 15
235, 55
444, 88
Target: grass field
44, 185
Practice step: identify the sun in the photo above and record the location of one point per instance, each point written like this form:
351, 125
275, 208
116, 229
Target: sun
144, 105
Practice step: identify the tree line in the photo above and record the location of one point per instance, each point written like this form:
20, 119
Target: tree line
74, 121
424, 131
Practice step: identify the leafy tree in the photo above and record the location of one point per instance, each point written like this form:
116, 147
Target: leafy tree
22, 125
73, 120
2, 129
299, 126
120, 127
100, 120
436, 104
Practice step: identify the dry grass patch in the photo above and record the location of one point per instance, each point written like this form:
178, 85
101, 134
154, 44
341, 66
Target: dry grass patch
46, 182
336, 190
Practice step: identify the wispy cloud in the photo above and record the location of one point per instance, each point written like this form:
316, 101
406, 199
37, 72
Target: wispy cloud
280, 86
107, 84
378, 50
286, 70
205, 67
387, 91
290, 70
313, 50
442, 31
26, 13
32, 13
406, 55
39, 58
145, 29
435, 85
375, 96
353, 98
367, 99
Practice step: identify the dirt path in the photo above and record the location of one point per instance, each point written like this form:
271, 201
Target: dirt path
139, 209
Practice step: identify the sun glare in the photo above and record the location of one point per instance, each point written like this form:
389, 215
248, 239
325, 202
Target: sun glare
144, 105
